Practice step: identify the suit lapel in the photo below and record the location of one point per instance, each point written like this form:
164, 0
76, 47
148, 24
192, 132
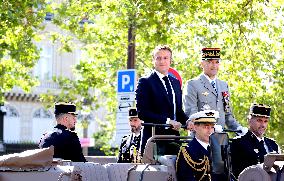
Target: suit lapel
218, 86
254, 141
161, 86
268, 145
207, 84
175, 88
199, 147
270, 148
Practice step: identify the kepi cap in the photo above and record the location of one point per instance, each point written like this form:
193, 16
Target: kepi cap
206, 116
64, 108
260, 110
210, 53
132, 112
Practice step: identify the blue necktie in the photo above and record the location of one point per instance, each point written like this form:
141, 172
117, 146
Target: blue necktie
214, 85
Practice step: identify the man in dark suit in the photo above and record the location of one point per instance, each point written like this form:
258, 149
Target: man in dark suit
159, 97
250, 149
208, 92
193, 161
129, 150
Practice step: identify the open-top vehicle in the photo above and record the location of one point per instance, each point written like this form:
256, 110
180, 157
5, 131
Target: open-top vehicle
39, 165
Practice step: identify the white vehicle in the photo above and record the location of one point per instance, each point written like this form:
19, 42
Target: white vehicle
39, 165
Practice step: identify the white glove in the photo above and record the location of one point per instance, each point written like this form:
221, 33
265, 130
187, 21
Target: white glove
218, 128
243, 129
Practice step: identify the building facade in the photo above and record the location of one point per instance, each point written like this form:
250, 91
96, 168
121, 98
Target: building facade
26, 118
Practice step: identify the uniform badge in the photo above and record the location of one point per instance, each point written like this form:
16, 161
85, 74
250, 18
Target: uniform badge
205, 107
256, 150
205, 93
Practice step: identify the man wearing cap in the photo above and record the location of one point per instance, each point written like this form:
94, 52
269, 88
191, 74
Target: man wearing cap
193, 161
65, 141
129, 150
250, 149
208, 92
159, 98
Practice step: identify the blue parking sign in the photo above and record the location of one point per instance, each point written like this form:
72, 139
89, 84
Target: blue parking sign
126, 80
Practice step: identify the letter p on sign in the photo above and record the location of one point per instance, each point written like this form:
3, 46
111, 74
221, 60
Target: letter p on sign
126, 80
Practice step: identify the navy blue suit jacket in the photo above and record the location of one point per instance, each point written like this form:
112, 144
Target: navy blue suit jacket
154, 106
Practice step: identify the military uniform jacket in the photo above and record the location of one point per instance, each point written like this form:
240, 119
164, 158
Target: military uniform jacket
129, 149
193, 163
247, 150
66, 144
200, 94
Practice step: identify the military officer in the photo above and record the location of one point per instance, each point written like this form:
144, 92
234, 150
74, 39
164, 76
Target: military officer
65, 141
193, 161
208, 92
129, 150
250, 149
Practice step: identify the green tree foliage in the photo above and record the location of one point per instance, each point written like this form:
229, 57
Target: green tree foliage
249, 33
19, 22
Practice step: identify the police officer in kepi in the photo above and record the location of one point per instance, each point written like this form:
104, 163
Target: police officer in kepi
129, 150
65, 141
193, 161
250, 149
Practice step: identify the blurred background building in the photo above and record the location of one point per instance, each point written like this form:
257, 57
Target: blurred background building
26, 119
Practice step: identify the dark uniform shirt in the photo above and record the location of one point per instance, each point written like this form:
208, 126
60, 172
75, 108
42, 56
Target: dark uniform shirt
129, 149
66, 144
247, 150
